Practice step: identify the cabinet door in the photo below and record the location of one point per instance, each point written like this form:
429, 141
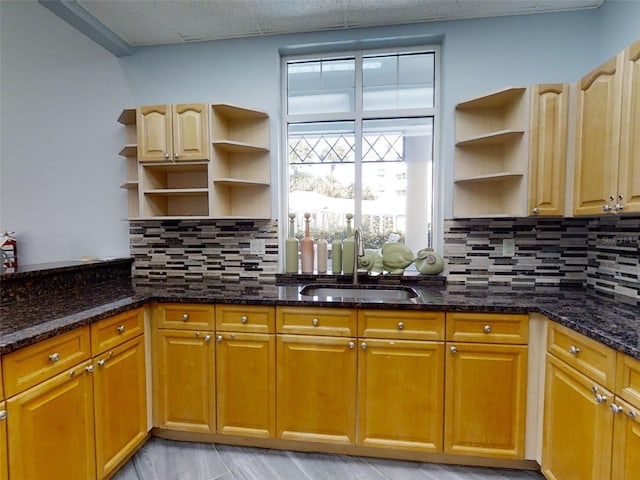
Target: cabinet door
629, 172
578, 426
485, 400
51, 427
184, 381
597, 138
190, 132
548, 149
155, 143
316, 388
120, 404
400, 394
246, 384
626, 442
4, 466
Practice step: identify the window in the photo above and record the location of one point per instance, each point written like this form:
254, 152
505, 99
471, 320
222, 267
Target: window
360, 139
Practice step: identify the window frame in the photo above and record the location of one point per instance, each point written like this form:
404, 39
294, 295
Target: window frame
358, 116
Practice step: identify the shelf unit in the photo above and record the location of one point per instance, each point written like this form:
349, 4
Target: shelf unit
499, 139
241, 162
130, 152
236, 183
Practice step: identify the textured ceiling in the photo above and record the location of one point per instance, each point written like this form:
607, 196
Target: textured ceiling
156, 22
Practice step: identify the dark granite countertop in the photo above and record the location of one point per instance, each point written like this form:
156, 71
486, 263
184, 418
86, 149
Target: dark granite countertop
613, 322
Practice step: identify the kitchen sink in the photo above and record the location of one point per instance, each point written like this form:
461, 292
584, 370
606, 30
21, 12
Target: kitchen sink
373, 292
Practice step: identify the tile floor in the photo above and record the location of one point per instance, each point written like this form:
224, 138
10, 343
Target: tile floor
163, 459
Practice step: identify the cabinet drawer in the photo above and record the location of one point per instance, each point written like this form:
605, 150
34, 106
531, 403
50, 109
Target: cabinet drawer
488, 328
340, 322
596, 361
628, 379
184, 316
31, 365
113, 331
245, 318
401, 324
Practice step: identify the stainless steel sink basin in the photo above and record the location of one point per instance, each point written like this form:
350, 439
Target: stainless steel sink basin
373, 292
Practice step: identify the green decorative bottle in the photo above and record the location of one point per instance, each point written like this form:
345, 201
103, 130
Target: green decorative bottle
291, 248
336, 256
348, 248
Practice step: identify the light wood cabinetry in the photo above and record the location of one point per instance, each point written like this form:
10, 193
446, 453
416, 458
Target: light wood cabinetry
400, 380
183, 355
167, 151
4, 459
51, 428
316, 374
486, 385
510, 149
119, 387
608, 120
592, 410
246, 371
241, 162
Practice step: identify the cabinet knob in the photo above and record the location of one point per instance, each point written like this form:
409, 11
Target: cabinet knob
72, 373
487, 329
352, 345
315, 322
207, 338
101, 362
606, 208
573, 350
89, 368
166, 156
363, 345
616, 408
219, 338
185, 317
632, 415
244, 319
54, 357
599, 398
535, 211
176, 156
400, 325
121, 329
617, 207
453, 350
3, 414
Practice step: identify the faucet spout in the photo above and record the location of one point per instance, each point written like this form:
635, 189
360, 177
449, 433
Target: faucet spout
358, 252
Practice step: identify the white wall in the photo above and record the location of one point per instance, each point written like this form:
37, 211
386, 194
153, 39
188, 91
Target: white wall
60, 95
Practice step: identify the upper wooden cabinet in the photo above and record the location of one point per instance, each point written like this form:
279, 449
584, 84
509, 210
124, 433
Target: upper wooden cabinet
607, 157
173, 132
511, 152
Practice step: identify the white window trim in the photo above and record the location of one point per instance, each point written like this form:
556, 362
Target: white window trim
358, 116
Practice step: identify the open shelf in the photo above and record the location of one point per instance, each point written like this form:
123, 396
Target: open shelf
491, 138
489, 178
242, 201
238, 147
238, 125
499, 98
486, 199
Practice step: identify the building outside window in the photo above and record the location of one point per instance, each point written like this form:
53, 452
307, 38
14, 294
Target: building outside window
360, 131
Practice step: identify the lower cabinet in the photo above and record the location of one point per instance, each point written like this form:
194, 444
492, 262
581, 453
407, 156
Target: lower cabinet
51, 427
400, 394
485, 400
184, 380
626, 441
578, 426
4, 466
246, 384
316, 388
120, 395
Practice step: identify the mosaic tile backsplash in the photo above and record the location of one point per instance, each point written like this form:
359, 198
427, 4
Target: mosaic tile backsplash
602, 253
201, 249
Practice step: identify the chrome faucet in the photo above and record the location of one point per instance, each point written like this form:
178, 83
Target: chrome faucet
358, 251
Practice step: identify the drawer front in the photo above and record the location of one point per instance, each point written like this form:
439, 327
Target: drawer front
245, 318
113, 331
399, 324
488, 328
628, 379
341, 322
184, 316
31, 365
596, 361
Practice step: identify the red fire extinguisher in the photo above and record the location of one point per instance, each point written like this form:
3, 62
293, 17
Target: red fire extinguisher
9, 252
